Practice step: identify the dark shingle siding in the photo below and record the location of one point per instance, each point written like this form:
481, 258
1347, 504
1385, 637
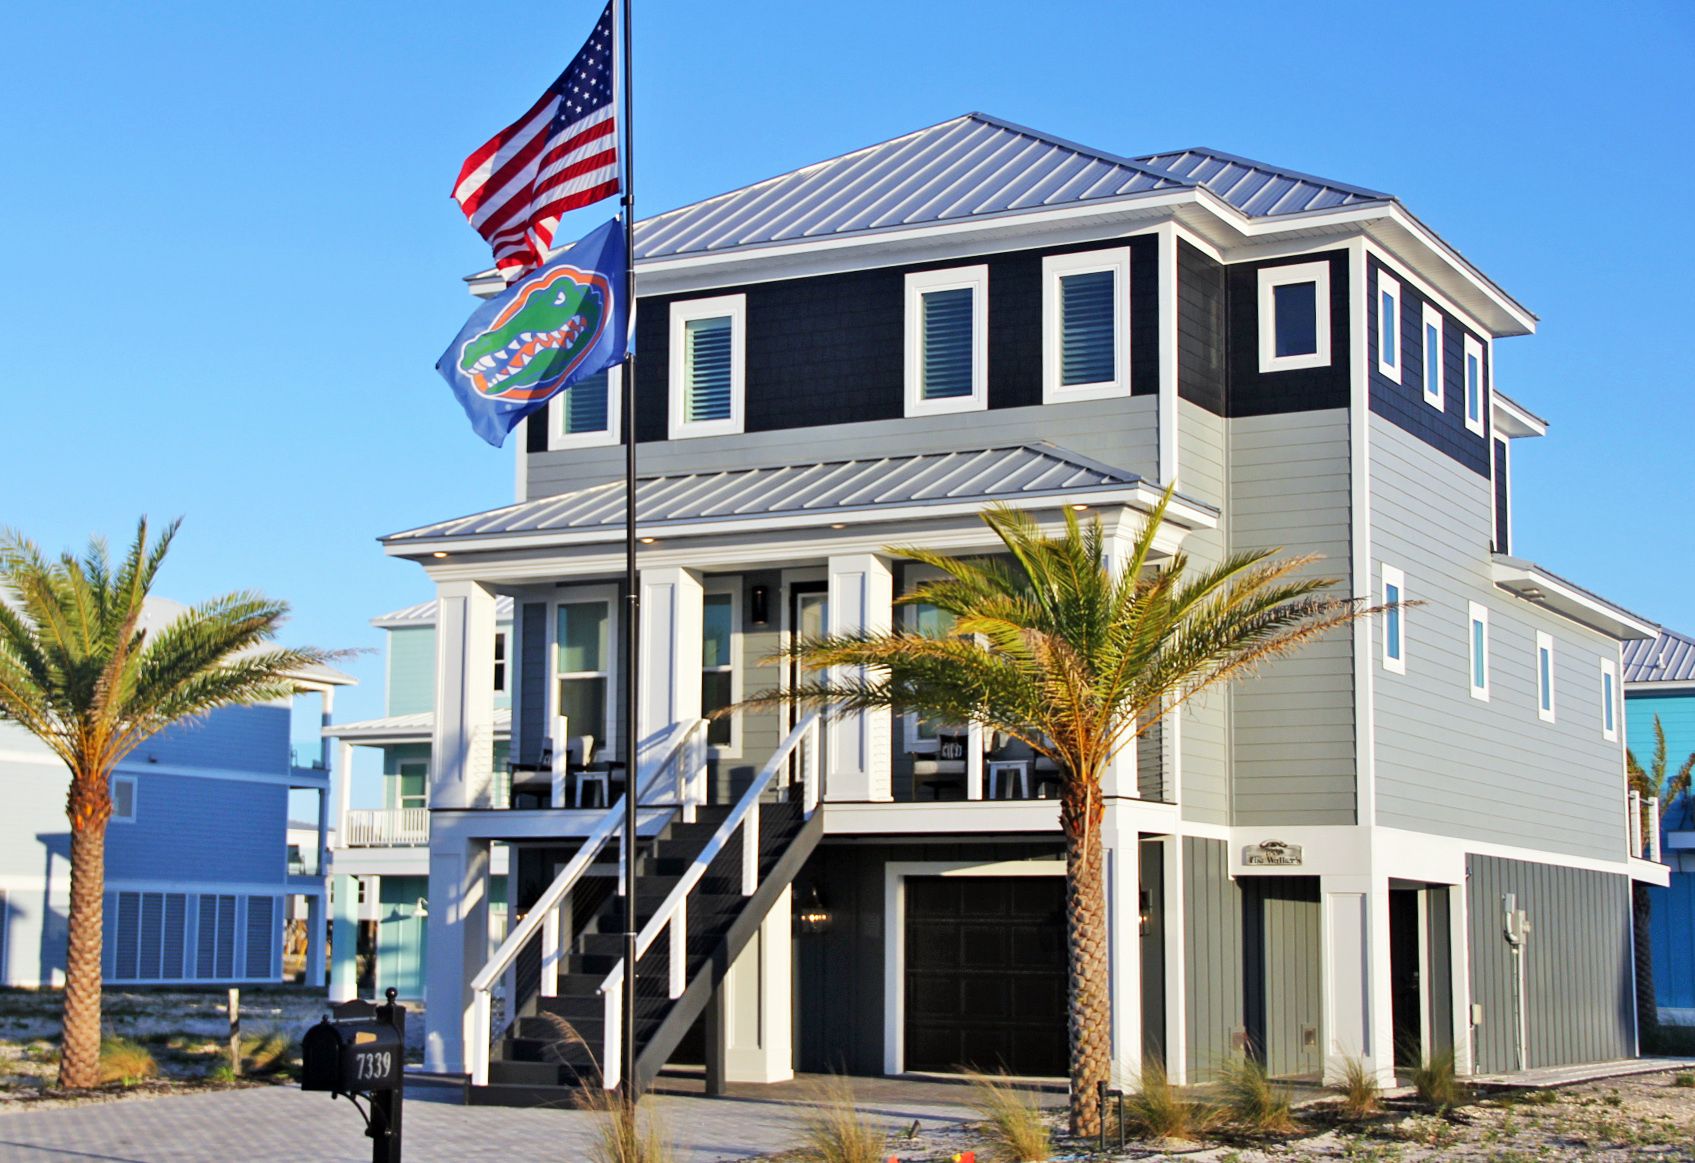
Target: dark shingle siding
1201, 306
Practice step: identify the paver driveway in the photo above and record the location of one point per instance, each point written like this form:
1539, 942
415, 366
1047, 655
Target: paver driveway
283, 1125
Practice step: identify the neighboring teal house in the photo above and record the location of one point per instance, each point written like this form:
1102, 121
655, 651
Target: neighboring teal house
1659, 679
379, 863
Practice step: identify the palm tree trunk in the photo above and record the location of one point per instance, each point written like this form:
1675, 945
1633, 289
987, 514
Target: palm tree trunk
79, 1064
1647, 1008
1090, 1016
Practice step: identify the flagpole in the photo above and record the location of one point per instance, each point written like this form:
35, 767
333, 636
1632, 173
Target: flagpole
632, 594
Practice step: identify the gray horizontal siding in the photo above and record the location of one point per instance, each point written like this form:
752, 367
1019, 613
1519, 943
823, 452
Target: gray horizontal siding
1202, 445
1451, 764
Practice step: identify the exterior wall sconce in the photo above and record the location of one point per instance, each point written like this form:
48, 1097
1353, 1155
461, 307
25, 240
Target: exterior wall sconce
759, 605
1145, 915
813, 917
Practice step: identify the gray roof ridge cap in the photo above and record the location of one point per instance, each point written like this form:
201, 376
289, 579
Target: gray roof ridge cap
1078, 147
1285, 171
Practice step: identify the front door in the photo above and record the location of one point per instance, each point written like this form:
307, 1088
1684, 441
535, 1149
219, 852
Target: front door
809, 617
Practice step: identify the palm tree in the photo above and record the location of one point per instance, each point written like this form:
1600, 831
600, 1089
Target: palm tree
1650, 782
80, 671
1057, 650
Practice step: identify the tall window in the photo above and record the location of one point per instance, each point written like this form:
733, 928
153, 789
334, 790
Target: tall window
925, 619
1388, 327
585, 415
1545, 676
717, 665
1479, 652
412, 786
1609, 700
1432, 356
947, 341
500, 662
123, 799
1294, 317
708, 362
1475, 389
1394, 645
1085, 325
583, 651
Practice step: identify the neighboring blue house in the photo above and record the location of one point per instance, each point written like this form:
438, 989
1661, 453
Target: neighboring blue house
1659, 679
198, 872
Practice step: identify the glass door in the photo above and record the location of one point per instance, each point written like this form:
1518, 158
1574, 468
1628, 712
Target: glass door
809, 617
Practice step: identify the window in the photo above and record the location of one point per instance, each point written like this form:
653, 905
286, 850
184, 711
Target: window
582, 646
500, 662
708, 360
925, 619
412, 787
1609, 700
123, 799
1432, 357
717, 665
947, 345
1294, 317
1394, 632
1388, 327
1085, 325
1545, 676
585, 415
1479, 652
1476, 392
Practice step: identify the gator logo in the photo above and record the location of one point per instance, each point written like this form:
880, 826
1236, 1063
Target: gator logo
540, 337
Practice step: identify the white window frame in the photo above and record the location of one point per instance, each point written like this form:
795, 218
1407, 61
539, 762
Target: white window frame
732, 587
1395, 662
134, 799
916, 575
1545, 697
918, 283
682, 313
571, 597
1432, 317
1390, 367
1479, 613
1609, 700
559, 440
400, 796
1474, 350
1056, 267
503, 640
1270, 278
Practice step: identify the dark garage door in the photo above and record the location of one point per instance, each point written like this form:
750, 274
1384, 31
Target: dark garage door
985, 973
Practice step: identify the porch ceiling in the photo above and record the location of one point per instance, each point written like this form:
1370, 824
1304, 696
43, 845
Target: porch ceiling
850, 491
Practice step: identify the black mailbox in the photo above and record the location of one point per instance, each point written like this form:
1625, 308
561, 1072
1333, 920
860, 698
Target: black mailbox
351, 1057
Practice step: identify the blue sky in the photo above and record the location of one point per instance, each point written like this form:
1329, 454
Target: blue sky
230, 260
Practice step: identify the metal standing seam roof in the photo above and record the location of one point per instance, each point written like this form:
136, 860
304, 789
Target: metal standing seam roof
1667, 658
416, 723
424, 614
1019, 472
969, 166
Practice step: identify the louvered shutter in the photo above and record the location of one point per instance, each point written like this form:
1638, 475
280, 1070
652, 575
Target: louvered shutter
152, 936
585, 404
707, 369
947, 343
225, 961
261, 916
129, 936
1087, 326
206, 939
176, 924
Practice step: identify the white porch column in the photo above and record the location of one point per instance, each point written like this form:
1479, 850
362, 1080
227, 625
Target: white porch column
1120, 776
757, 1018
861, 598
1358, 1020
671, 605
1122, 872
344, 941
462, 750
456, 949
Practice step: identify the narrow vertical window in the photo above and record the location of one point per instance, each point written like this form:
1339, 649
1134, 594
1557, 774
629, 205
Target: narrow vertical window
1479, 652
585, 415
717, 665
1544, 676
1294, 317
582, 654
931, 622
947, 341
1433, 357
1085, 324
1388, 327
707, 366
500, 662
1609, 700
1394, 624
123, 799
1476, 390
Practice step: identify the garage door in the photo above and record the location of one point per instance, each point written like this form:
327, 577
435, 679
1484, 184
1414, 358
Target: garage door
985, 974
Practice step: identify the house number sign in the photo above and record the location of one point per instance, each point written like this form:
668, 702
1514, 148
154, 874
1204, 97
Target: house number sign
1272, 853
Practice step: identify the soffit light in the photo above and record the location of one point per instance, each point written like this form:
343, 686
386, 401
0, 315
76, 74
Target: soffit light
439, 553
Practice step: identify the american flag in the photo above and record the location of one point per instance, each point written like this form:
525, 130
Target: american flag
560, 155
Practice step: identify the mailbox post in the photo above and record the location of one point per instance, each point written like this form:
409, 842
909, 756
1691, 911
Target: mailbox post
359, 1051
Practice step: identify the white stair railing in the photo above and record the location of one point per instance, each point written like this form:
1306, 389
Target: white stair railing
677, 752
673, 914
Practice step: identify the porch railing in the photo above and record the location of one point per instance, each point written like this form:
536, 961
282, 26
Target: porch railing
673, 914
386, 828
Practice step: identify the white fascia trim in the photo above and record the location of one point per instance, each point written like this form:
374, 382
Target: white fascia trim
558, 440
919, 283
682, 313
1394, 577
1436, 399
1648, 688
1389, 286
1270, 278
1478, 613
1474, 351
1512, 420
1603, 617
1054, 268
1546, 700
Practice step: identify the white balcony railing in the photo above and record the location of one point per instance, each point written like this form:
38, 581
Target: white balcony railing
387, 827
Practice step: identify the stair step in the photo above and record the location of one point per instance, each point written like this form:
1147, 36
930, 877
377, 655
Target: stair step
526, 1095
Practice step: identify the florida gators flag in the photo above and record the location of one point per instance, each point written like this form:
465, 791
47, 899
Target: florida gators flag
550, 329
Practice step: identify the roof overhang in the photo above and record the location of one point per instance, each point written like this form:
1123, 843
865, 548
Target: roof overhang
1514, 420
1527, 580
419, 728
1647, 688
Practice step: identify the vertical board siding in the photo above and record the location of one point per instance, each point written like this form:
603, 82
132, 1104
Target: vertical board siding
530, 723
1202, 456
1452, 764
1578, 999
1439, 966
1282, 963
1212, 943
1293, 745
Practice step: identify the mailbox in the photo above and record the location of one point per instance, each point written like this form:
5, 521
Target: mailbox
351, 1057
